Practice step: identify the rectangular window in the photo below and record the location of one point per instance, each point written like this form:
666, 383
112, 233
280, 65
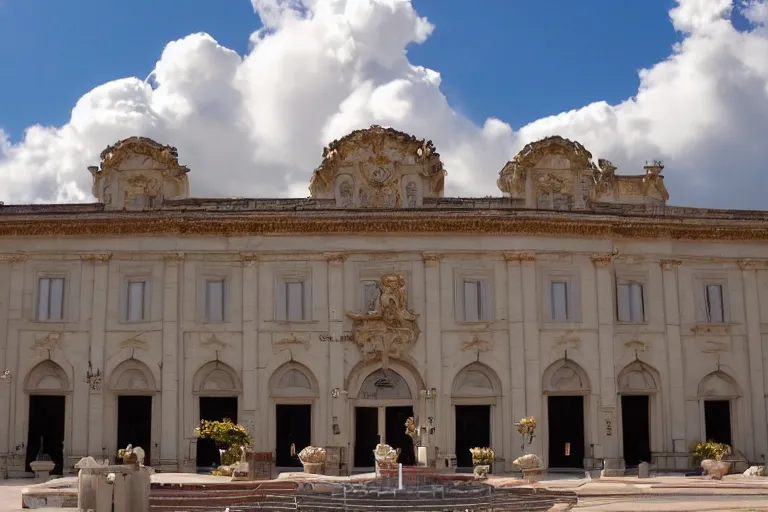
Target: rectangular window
371, 296
559, 301
50, 304
473, 301
714, 303
631, 306
135, 303
294, 301
214, 300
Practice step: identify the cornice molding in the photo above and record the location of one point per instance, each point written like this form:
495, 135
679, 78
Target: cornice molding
389, 223
750, 264
12, 258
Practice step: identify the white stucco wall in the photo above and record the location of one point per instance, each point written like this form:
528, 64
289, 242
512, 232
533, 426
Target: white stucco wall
250, 345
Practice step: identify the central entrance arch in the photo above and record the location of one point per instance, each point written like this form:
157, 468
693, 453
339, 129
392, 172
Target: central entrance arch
383, 400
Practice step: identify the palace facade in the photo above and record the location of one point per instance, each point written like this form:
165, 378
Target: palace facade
628, 328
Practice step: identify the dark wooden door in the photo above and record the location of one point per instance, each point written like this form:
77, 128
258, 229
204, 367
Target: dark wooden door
46, 424
566, 431
473, 430
214, 409
293, 426
636, 429
134, 423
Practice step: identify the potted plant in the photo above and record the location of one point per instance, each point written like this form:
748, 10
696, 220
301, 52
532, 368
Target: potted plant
231, 439
530, 464
710, 456
313, 459
482, 458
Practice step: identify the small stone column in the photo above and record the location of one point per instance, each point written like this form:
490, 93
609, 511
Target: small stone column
433, 339
172, 386
674, 354
336, 350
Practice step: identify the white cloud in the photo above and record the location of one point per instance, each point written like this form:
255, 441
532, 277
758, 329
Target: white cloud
255, 125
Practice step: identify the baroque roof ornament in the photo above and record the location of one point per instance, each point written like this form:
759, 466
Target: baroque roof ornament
512, 177
392, 330
372, 157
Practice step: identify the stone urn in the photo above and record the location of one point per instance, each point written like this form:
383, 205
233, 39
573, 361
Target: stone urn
386, 460
481, 471
716, 469
42, 469
313, 459
531, 466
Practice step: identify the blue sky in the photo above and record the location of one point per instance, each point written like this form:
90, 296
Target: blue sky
684, 81
516, 60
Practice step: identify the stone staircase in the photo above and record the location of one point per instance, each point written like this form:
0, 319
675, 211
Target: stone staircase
270, 495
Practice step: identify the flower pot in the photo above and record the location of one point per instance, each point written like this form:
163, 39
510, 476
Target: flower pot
716, 469
313, 468
481, 471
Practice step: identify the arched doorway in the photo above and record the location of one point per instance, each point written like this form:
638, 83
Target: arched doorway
47, 386
566, 385
475, 394
293, 390
638, 384
217, 388
718, 393
133, 389
383, 404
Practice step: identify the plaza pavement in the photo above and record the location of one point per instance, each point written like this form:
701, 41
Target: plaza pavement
658, 493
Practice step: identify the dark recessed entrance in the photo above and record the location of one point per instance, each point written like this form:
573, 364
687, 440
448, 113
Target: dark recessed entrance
134, 423
717, 421
46, 423
214, 408
566, 431
394, 433
473, 429
293, 426
636, 429
366, 435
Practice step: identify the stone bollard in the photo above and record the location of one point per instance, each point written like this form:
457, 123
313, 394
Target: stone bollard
106, 488
643, 470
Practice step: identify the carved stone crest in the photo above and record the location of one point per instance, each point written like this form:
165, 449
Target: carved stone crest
213, 342
50, 342
392, 330
475, 343
134, 343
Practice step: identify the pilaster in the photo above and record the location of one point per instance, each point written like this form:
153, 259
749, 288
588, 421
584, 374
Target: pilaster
338, 412
749, 271
171, 398
99, 266
534, 400
10, 265
516, 332
434, 406
674, 354
250, 353
605, 314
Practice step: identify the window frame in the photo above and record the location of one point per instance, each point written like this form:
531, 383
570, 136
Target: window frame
207, 280
630, 282
38, 297
485, 306
702, 312
573, 295
280, 302
126, 309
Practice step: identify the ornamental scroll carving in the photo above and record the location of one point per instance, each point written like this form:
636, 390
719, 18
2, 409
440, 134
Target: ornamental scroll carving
391, 331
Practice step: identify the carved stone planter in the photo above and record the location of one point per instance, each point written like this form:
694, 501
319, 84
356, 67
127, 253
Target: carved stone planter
481, 471
42, 469
533, 474
716, 470
314, 468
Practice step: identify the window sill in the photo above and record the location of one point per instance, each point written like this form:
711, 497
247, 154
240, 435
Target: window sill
630, 323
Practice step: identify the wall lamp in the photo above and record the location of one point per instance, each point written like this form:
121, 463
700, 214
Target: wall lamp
429, 393
336, 392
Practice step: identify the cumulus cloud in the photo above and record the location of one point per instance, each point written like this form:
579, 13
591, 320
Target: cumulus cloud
255, 125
